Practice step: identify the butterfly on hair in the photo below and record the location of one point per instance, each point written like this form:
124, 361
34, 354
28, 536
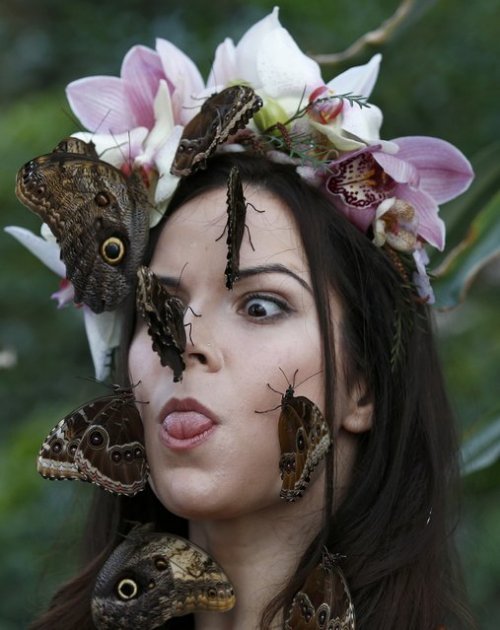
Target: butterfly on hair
304, 439
101, 442
324, 601
220, 116
164, 316
98, 215
235, 226
151, 577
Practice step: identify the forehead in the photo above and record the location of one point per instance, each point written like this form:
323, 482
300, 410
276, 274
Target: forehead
195, 227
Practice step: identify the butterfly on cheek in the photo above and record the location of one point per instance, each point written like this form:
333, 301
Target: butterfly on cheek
151, 577
101, 442
98, 215
324, 602
235, 226
220, 116
164, 316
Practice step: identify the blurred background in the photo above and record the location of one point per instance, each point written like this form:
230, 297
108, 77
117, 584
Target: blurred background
440, 77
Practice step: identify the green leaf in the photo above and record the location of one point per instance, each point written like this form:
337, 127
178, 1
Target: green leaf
454, 276
482, 447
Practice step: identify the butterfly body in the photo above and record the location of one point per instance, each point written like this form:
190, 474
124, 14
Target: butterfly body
98, 216
324, 602
164, 316
304, 440
235, 227
100, 442
151, 577
221, 115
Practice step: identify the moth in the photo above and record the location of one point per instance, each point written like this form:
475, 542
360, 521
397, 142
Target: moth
220, 116
152, 577
324, 602
164, 316
97, 214
101, 442
304, 439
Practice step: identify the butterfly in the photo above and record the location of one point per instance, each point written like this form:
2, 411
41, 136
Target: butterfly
151, 577
324, 602
164, 316
98, 216
304, 439
235, 226
220, 116
101, 442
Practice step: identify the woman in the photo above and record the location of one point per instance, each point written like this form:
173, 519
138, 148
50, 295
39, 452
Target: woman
318, 302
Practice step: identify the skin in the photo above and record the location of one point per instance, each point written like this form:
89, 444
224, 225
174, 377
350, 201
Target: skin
228, 485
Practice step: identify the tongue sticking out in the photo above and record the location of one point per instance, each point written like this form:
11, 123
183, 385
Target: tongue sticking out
183, 425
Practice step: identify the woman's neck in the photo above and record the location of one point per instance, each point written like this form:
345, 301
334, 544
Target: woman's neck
259, 552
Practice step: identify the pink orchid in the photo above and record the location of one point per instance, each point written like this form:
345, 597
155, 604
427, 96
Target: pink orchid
424, 172
103, 330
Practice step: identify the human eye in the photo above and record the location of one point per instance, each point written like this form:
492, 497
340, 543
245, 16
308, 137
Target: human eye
264, 308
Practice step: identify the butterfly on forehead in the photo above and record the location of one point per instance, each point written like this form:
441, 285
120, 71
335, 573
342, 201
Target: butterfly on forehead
220, 116
304, 439
98, 215
101, 442
151, 577
235, 226
164, 316
324, 602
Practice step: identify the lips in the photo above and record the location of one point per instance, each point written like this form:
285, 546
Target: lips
185, 423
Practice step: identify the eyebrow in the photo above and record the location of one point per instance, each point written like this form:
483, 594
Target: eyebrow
276, 268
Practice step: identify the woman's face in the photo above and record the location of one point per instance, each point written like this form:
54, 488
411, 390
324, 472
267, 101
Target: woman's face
210, 454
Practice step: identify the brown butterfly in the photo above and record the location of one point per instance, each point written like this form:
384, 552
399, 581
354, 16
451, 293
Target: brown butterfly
235, 226
324, 602
98, 216
221, 115
152, 577
101, 442
164, 316
304, 439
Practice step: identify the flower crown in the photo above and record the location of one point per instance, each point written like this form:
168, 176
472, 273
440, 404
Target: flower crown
390, 189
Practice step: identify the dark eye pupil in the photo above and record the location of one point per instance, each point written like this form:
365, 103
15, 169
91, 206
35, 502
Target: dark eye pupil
257, 310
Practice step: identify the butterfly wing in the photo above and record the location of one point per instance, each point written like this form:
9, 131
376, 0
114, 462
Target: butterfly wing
111, 453
220, 116
304, 439
98, 216
164, 316
324, 602
152, 577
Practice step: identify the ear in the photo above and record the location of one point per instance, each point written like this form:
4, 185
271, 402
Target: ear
358, 414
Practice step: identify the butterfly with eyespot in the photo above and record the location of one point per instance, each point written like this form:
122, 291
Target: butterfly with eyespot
304, 439
324, 602
220, 116
101, 442
164, 316
98, 215
151, 577
235, 226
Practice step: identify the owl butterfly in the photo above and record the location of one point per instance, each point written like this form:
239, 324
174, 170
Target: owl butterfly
98, 216
324, 602
220, 116
100, 442
164, 316
304, 439
235, 226
152, 577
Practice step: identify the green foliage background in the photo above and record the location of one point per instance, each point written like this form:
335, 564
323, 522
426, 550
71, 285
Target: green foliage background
439, 77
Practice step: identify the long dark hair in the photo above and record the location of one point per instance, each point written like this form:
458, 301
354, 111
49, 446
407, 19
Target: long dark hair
394, 527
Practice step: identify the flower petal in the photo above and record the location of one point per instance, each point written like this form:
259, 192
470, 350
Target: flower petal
163, 126
358, 80
224, 66
402, 171
101, 104
164, 158
443, 170
103, 334
430, 227
46, 251
116, 149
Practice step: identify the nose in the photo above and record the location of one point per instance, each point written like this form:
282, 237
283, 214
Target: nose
202, 347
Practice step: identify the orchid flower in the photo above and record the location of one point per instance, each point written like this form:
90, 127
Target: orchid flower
103, 329
424, 173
